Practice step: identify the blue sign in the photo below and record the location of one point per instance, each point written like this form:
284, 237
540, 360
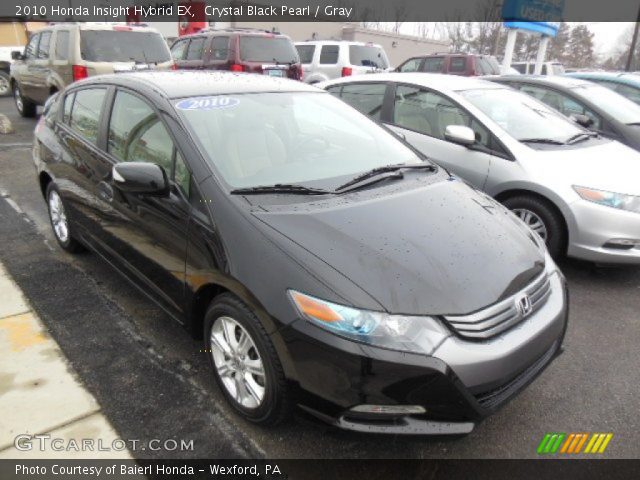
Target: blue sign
540, 16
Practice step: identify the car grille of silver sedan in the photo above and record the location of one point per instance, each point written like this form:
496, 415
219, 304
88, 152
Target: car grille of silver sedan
505, 314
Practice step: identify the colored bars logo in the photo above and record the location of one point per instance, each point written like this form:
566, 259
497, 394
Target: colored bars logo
574, 442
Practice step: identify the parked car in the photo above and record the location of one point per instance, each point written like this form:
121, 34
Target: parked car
548, 68
626, 84
326, 59
465, 64
60, 54
5, 70
591, 105
579, 191
325, 262
238, 50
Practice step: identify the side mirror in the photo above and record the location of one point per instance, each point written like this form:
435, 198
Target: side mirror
141, 178
17, 55
460, 134
582, 120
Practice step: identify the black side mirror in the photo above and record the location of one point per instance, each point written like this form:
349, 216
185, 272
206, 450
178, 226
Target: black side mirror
582, 120
141, 178
16, 55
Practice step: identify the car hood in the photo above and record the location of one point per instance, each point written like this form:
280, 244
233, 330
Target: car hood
604, 165
437, 249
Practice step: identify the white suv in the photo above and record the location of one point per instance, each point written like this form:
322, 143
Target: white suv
329, 59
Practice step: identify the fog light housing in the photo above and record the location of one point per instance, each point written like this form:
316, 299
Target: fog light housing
622, 243
393, 410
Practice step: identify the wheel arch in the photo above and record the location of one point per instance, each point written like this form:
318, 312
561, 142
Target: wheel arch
44, 179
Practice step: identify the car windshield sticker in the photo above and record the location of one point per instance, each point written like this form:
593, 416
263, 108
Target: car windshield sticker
207, 103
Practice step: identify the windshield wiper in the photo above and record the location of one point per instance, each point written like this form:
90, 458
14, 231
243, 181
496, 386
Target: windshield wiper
580, 137
380, 170
280, 188
549, 141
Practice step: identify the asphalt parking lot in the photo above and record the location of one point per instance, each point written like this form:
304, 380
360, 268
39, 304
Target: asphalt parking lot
152, 380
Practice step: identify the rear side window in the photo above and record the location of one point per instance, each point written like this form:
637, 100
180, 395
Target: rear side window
266, 48
412, 65
30, 51
220, 48
85, 114
329, 54
366, 97
179, 49
306, 53
433, 64
62, 45
195, 49
43, 48
367, 56
68, 105
123, 46
457, 64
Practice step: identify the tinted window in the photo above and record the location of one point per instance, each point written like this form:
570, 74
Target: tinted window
544, 69
129, 114
62, 45
366, 97
329, 54
179, 49
367, 56
267, 49
68, 104
457, 64
30, 51
306, 53
85, 114
433, 64
150, 142
564, 104
412, 65
43, 48
195, 49
520, 67
335, 90
220, 48
123, 46
631, 93
620, 108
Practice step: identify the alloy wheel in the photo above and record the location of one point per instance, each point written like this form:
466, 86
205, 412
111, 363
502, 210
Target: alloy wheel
5, 88
58, 217
533, 221
18, 98
238, 362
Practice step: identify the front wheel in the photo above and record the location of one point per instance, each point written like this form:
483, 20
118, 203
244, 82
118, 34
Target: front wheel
542, 218
5, 84
245, 364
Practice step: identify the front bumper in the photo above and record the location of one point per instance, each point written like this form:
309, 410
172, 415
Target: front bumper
596, 226
461, 383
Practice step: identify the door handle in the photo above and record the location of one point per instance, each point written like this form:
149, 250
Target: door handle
105, 191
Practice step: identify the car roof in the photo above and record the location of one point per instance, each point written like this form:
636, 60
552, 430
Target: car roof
620, 77
549, 80
178, 84
436, 81
336, 42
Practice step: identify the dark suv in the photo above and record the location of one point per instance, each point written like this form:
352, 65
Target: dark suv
239, 50
465, 64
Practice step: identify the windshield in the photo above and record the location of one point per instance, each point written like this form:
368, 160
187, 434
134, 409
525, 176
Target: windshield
521, 116
289, 138
265, 48
619, 107
368, 56
122, 46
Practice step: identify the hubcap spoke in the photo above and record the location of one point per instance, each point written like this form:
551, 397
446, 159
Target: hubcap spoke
254, 367
58, 217
533, 221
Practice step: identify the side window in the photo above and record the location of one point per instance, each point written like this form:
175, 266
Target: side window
68, 104
195, 49
329, 54
182, 176
433, 64
412, 65
32, 46
179, 49
85, 114
562, 103
544, 69
43, 47
520, 68
631, 93
429, 113
366, 97
335, 90
306, 53
62, 45
457, 64
220, 48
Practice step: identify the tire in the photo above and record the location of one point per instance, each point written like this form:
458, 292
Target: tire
5, 84
57, 217
533, 210
273, 406
25, 107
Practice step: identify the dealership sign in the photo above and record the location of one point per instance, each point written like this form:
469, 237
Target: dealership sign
539, 16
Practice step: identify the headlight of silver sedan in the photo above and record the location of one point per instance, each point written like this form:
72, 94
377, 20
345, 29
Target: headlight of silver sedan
418, 334
620, 201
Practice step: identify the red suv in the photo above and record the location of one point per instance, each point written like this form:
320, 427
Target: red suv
238, 50
465, 64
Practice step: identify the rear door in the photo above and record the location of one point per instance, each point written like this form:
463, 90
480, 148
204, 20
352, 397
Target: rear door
194, 58
25, 73
219, 57
179, 52
40, 68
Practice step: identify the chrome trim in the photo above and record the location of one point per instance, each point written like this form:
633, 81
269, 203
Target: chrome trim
500, 316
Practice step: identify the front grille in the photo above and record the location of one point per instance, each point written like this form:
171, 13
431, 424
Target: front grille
505, 314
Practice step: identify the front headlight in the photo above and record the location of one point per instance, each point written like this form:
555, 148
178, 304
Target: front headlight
621, 201
395, 332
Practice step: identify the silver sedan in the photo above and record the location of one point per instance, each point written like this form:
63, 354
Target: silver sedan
579, 191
